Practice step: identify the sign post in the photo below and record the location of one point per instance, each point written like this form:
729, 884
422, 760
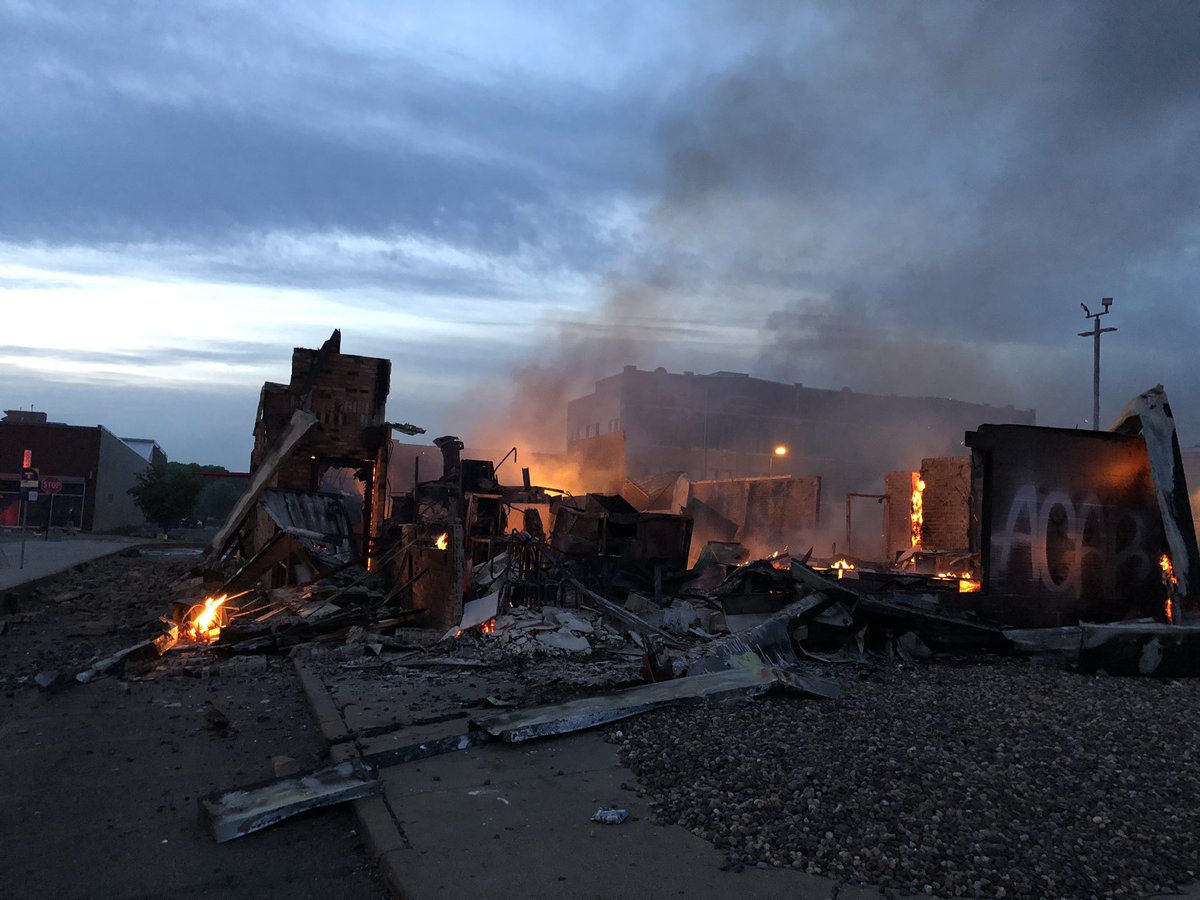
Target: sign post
29, 493
50, 486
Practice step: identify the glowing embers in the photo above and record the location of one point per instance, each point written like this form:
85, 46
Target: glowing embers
842, 566
1170, 582
917, 516
488, 627
966, 584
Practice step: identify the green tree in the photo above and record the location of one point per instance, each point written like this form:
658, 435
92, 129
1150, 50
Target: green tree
219, 495
166, 493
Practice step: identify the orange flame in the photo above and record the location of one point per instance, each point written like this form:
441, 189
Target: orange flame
203, 624
843, 566
966, 584
918, 509
486, 628
442, 542
1170, 581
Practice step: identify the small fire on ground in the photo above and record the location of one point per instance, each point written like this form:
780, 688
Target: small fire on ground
201, 624
485, 628
966, 584
442, 542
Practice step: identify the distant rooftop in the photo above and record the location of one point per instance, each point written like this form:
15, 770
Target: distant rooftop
143, 447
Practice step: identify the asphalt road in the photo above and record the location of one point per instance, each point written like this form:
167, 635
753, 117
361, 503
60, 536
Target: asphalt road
100, 781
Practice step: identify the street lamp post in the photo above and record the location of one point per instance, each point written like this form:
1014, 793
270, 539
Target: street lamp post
1095, 334
780, 451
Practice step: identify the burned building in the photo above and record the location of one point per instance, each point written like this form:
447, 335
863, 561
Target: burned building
348, 397
327, 421
728, 425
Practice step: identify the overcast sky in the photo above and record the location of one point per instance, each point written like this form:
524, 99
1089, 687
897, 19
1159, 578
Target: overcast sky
897, 198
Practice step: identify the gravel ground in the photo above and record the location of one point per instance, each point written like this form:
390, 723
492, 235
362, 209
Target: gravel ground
993, 779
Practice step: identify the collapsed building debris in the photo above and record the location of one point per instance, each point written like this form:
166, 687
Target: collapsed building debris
1048, 531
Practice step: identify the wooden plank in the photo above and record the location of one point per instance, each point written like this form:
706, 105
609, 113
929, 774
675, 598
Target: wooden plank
301, 423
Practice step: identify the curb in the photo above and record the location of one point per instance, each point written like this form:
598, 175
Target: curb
375, 820
23, 587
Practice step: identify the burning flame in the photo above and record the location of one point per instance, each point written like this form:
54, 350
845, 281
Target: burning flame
204, 624
442, 542
843, 566
201, 625
918, 509
966, 584
486, 628
1169, 579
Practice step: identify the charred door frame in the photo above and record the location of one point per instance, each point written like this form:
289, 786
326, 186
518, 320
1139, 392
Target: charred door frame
350, 462
887, 510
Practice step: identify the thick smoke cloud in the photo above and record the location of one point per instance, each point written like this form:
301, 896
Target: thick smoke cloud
915, 198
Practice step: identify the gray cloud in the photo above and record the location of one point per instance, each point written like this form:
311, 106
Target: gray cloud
942, 184
168, 125
907, 197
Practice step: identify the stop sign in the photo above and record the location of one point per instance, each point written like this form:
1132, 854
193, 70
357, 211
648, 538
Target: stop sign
51, 485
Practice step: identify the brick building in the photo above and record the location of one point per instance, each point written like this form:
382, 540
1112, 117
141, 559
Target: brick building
96, 469
728, 425
348, 396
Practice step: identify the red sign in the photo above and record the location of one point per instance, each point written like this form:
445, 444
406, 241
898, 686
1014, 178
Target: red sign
51, 485
28, 460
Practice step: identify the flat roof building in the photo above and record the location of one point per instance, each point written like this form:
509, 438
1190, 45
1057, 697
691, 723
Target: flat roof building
95, 468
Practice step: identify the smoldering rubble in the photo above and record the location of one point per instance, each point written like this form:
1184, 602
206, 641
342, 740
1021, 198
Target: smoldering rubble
862, 718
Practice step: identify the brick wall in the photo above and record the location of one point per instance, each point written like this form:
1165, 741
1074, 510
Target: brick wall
898, 529
947, 503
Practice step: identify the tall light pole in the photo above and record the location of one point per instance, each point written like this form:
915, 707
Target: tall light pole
781, 451
1095, 333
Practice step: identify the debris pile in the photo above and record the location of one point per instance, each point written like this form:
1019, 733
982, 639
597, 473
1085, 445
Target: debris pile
938, 770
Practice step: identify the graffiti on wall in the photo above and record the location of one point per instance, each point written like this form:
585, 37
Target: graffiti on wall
1072, 546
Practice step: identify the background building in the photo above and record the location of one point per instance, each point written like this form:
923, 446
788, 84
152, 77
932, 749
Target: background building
729, 425
96, 469
147, 449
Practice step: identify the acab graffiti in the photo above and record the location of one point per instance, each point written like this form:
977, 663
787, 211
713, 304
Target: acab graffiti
1070, 547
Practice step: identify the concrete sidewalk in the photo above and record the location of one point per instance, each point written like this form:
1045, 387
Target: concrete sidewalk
515, 815
43, 558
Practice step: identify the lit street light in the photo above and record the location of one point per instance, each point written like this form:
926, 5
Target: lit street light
780, 451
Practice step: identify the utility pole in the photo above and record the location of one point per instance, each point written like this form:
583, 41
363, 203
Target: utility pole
1095, 333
